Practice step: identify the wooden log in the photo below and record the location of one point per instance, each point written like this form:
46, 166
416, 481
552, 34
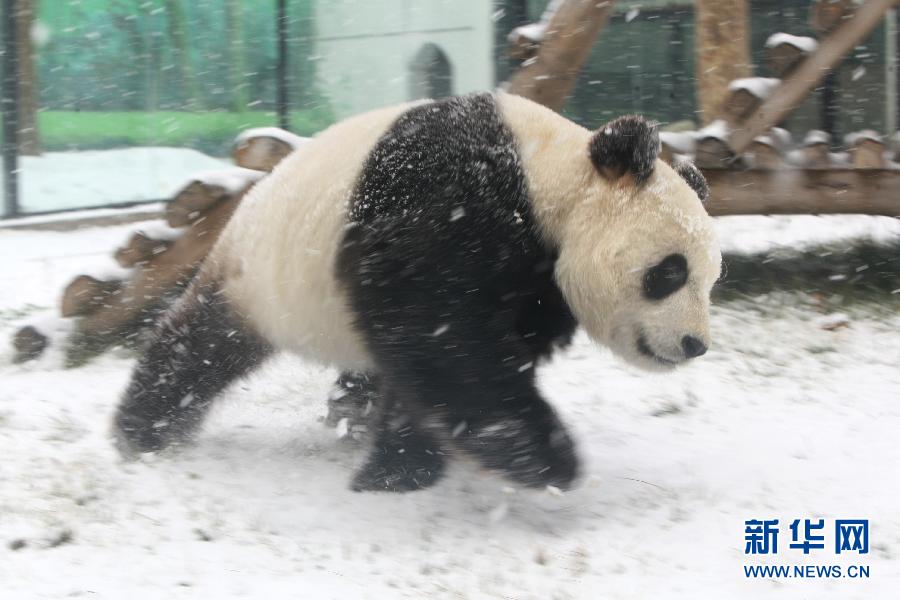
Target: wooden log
797, 85
548, 77
676, 142
28, 343
33, 339
140, 248
86, 293
262, 148
866, 150
804, 191
745, 96
740, 104
713, 153
206, 190
827, 15
815, 151
763, 153
784, 52
722, 47
525, 41
136, 304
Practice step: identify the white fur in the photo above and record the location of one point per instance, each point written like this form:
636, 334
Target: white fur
610, 233
276, 257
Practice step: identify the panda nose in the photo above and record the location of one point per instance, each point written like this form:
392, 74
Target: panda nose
692, 346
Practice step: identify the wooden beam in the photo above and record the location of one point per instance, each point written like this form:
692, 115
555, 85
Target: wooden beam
787, 96
722, 49
549, 77
804, 191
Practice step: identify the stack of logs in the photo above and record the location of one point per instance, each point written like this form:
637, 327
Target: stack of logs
155, 262
753, 167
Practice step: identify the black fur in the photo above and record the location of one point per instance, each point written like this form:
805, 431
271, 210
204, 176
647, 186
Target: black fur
690, 173
197, 349
454, 294
625, 145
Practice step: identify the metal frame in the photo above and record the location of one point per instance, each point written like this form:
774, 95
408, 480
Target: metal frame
10, 109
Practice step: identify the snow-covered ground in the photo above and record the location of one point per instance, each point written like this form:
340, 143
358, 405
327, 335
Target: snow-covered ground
783, 419
63, 180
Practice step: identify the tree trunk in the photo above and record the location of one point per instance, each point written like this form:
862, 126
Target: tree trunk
181, 53
236, 55
723, 51
29, 141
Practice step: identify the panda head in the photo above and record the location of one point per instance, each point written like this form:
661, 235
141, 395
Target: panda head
638, 256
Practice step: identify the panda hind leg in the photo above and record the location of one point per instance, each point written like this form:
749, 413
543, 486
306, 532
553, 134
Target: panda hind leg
198, 347
354, 397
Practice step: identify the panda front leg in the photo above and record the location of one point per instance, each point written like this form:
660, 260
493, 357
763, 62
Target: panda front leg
405, 456
198, 347
480, 399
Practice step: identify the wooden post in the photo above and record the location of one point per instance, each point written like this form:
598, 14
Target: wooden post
548, 78
723, 51
29, 141
797, 85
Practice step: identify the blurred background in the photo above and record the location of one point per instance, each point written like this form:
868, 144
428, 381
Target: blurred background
142, 93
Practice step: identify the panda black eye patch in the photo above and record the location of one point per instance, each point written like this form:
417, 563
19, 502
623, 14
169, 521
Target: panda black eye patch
665, 278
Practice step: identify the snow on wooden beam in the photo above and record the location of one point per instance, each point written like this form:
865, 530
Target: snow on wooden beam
803, 191
207, 189
784, 52
866, 149
144, 244
88, 293
262, 148
797, 85
548, 77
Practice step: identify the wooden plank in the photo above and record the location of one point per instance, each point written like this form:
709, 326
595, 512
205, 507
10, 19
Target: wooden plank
549, 77
787, 96
804, 191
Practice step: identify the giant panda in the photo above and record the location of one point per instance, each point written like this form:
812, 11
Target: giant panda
441, 249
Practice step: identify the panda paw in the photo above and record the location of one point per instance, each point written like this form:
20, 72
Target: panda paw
414, 465
532, 458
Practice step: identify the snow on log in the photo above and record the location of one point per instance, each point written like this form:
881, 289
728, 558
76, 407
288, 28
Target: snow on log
146, 243
766, 150
814, 154
87, 293
524, 41
673, 143
262, 148
746, 95
33, 339
712, 150
785, 51
207, 189
866, 149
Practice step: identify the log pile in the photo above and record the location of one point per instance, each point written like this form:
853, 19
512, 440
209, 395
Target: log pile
117, 306
755, 168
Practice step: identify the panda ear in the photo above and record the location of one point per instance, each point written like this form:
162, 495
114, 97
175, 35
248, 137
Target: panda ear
625, 145
694, 178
